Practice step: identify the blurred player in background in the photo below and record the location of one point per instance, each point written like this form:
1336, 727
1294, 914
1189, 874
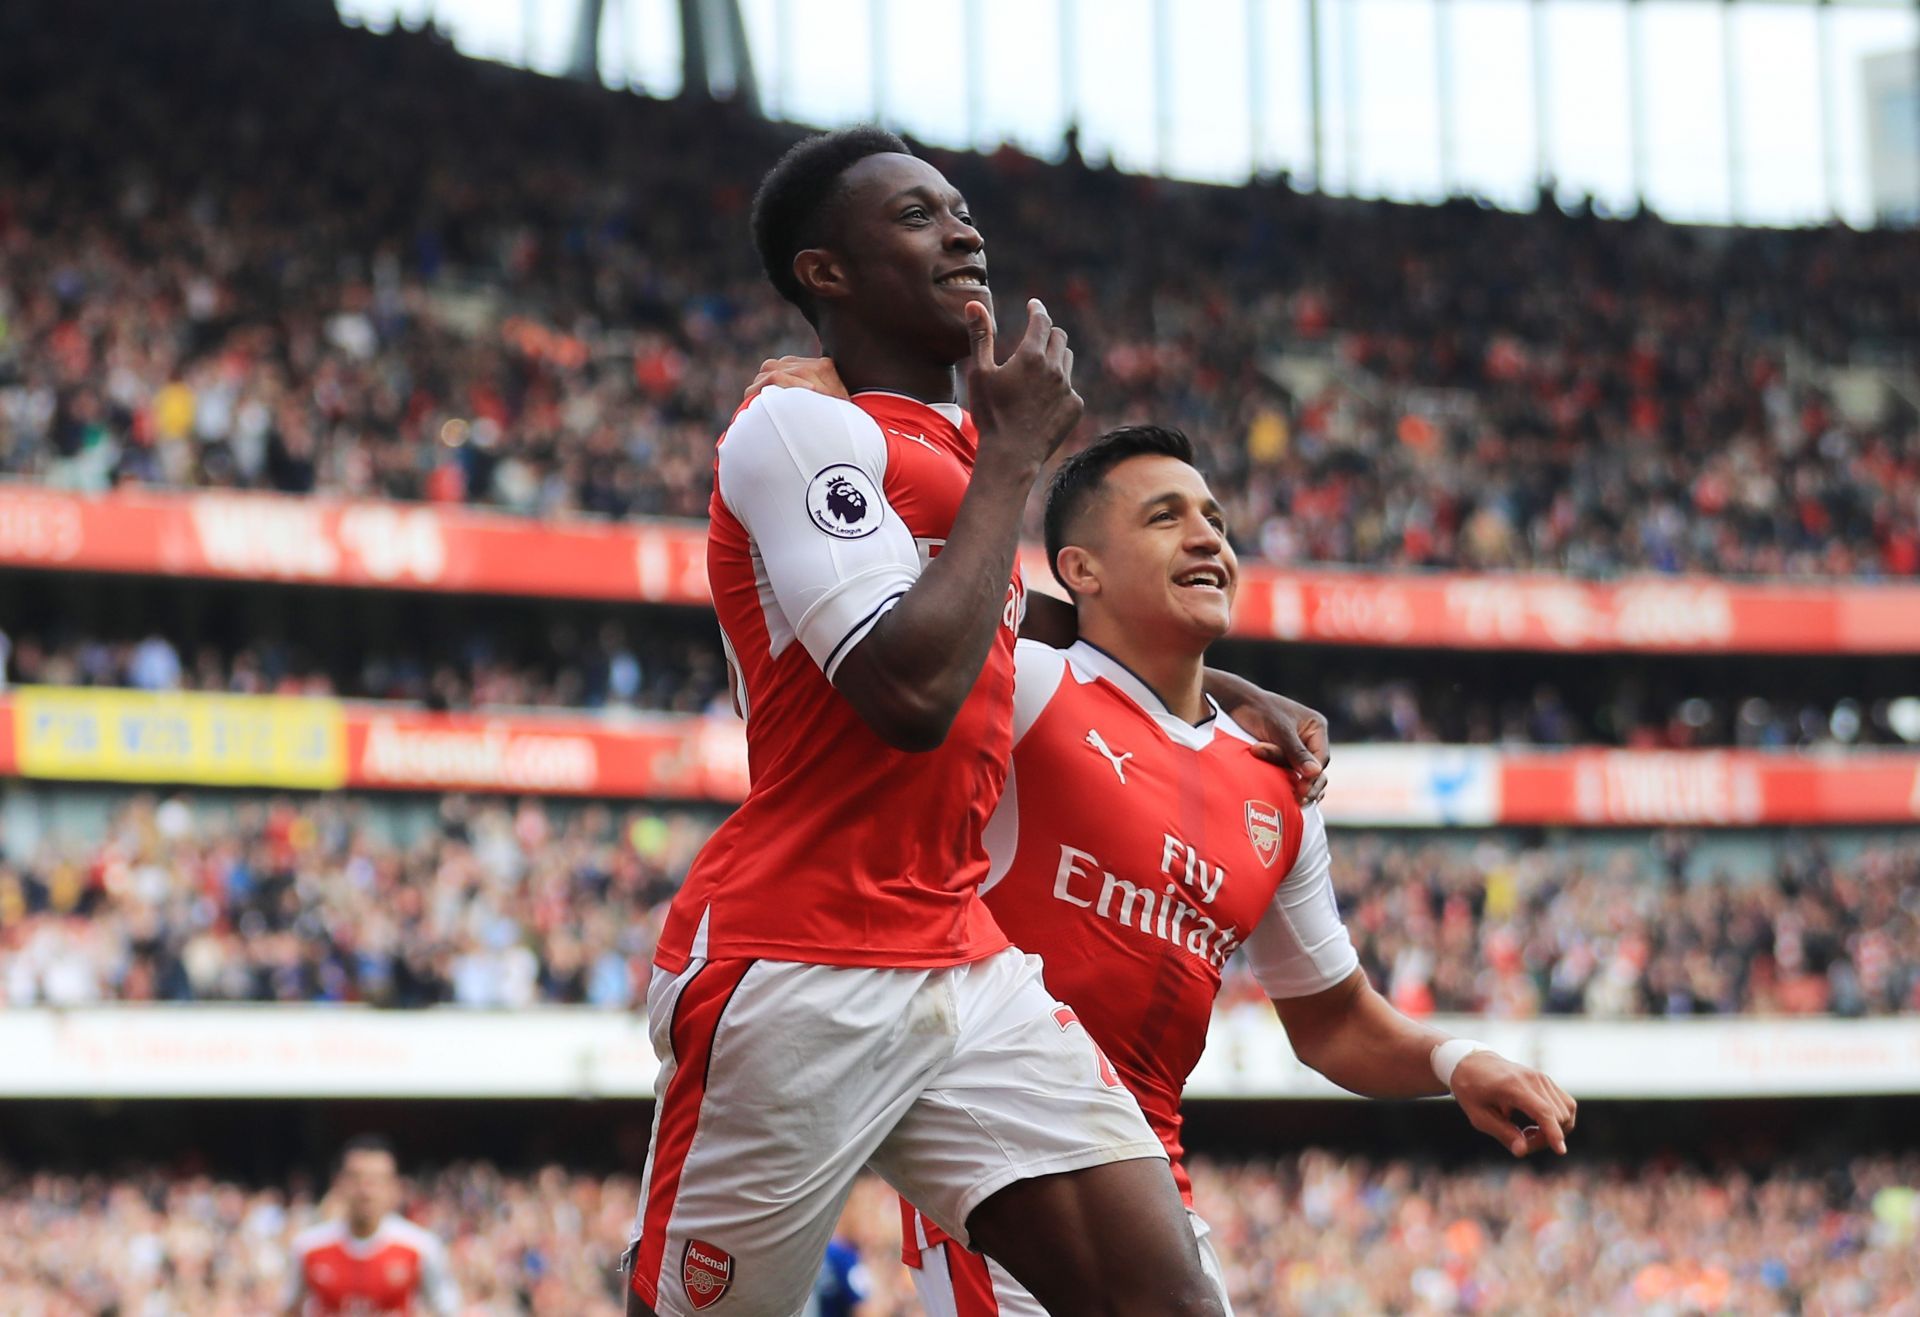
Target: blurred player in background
1139, 844
371, 1262
829, 992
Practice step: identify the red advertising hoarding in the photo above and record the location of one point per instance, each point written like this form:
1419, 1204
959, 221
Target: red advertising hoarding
73, 734
264, 537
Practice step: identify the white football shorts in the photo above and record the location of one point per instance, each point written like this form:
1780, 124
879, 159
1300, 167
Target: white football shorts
779, 1081
953, 1282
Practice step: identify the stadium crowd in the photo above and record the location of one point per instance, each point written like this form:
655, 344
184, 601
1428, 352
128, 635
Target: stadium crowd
680, 669
660, 669
406, 274
1316, 1234
504, 905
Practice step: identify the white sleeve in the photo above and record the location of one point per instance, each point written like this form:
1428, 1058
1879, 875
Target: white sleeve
1300, 947
806, 476
437, 1287
1038, 670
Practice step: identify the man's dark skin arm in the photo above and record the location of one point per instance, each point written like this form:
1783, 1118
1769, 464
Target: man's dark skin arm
1292, 736
908, 677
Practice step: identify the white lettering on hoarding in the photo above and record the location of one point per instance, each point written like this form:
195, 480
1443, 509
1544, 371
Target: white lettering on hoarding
265, 537
1681, 615
1656, 615
1372, 613
492, 755
395, 543
39, 529
1669, 788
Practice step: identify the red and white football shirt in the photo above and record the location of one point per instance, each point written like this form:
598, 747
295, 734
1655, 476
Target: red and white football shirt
846, 851
1134, 853
400, 1269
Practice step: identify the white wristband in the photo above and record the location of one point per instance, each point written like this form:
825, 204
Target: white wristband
1448, 1056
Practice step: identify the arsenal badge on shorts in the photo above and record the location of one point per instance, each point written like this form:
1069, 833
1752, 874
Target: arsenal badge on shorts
706, 1271
1264, 831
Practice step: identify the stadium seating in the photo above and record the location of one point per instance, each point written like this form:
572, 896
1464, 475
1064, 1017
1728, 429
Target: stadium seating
540, 297
1319, 1233
496, 905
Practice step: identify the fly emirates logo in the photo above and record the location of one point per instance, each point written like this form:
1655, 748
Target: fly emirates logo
1171, 915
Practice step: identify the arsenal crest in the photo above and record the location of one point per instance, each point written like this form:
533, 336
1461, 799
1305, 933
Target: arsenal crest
1264, 831
706, 1271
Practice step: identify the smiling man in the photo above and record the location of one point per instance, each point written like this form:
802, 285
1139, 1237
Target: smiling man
1140, 844
829, 991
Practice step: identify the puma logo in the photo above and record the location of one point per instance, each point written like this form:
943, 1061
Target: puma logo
1119, 762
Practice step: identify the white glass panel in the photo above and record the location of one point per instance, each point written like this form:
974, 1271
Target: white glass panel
829, 71
1399, 128
640, 46
1494, 134
1286, 88
1212, 135
1587, 119
925, 70
1856, 35
1023, 96
1684, 81
1776, 52
1115, 56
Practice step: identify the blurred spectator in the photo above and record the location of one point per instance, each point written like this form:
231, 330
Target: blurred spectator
681, 669
681, 672
1622, 929
507, 905
1317, 1233
541, 296
301, 901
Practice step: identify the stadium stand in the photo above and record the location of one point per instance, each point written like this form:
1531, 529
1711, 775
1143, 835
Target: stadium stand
492, 904
1316, 1233
508, 315
311, 301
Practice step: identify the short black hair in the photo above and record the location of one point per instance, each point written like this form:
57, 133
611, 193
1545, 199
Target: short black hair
1079, 478
364, 1143
789, 208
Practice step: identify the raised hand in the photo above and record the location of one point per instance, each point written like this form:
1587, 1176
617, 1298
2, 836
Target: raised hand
1025, 406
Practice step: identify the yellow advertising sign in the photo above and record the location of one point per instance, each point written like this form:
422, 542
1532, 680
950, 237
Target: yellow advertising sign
203, 740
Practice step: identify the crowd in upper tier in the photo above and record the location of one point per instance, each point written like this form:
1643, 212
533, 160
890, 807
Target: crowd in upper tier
1317, 1234
409, 275
497, 904
678, 667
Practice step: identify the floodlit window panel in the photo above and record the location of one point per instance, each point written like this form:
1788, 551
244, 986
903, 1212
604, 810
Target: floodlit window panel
1494, 134
1399, 128
1683, 78
1589, 133
381, 15
762, 19
1855, 34
1337, 140
1776, 52
829, 74
1115, 52
1285, 93
640, 46
485, 29
1212, 137
550, 27
1023, 97
924, 66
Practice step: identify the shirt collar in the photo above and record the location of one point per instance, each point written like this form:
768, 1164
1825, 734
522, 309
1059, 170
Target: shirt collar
1090, 662
950, 411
